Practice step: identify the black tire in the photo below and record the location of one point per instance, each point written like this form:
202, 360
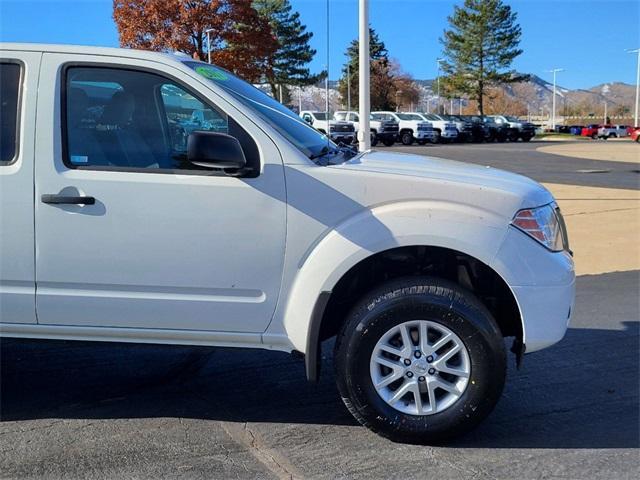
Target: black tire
388, 142
406, 138
526, 139
437, 136
374, 139
422, 298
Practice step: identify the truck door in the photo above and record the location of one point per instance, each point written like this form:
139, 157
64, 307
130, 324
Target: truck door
131, 235
18, 87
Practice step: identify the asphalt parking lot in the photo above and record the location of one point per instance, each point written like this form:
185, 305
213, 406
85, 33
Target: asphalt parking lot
95, 410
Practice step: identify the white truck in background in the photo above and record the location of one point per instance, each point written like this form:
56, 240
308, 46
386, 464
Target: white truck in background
337, 131
444, 130
412, 127
385, 131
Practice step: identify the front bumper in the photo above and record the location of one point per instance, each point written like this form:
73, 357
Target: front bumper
387, 136
342, 137
450, 134
423, 134
543, 284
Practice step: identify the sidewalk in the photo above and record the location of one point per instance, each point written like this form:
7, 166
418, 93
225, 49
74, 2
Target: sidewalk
612, 151
603, 225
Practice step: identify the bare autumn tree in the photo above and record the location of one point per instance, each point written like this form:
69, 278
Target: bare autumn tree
241, 40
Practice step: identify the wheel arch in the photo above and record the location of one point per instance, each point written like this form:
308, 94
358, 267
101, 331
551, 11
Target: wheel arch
449, 233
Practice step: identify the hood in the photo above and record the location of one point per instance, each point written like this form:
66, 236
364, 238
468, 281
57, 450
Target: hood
521, 190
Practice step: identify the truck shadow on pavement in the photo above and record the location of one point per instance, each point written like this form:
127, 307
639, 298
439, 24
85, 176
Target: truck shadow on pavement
583, 393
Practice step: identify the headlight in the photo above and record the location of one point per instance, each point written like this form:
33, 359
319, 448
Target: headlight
544, 224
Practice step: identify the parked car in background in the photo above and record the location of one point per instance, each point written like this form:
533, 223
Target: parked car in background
412, 126
517, 129
591, 130
385, 131
497, 132
444, 130
339, 132
464, 127
480, 131
575, 129
563, 129
612, 131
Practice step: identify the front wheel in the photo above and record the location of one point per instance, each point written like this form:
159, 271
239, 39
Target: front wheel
374, 139
388, 142
420, 360
406, 138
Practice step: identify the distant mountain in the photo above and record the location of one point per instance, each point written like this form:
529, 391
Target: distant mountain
538, 94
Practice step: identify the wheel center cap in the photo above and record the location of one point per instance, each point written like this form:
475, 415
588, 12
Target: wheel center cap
420, 365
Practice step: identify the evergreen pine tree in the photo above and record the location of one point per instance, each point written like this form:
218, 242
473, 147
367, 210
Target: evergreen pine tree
288, 66
381, 75
479, 48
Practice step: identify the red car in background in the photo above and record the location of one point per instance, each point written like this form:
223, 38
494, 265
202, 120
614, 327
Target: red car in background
635, 134
590, 130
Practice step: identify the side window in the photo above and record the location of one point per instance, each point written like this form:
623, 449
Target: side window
185, 114
119, 119
9, 107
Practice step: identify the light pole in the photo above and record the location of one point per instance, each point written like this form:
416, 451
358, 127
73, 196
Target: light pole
438, 61
553, 117
398, 93
326, 93
635, 116
208, 32
364, 137
348, 87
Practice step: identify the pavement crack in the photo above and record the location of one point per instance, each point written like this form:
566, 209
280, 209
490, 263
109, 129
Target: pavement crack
272, 460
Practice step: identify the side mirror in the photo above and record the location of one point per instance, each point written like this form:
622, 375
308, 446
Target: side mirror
215, 150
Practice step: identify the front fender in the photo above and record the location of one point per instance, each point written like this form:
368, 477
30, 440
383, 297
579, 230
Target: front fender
455, 226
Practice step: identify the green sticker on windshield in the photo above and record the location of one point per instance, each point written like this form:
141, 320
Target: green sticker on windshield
211, 73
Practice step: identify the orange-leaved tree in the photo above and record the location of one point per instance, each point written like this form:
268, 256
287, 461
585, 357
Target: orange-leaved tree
241, 40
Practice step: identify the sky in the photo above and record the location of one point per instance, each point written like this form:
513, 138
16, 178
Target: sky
587, 38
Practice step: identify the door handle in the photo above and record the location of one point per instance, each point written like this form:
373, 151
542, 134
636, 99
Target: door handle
56, 199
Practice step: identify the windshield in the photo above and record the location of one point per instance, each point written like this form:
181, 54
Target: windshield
409, 116
308, 140
512, 119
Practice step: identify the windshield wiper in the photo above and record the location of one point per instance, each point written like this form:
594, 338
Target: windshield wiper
322, 153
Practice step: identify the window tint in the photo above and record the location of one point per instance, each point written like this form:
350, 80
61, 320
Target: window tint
126, 119
9, 105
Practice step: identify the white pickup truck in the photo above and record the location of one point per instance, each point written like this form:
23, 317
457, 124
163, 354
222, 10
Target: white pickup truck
412, 127
385, 131
338, 131
445, 130
120, 224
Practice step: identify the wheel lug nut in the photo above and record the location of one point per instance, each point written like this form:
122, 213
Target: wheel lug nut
417, 354
432, 371
421, 379
430, 359
407, 361
409, 374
